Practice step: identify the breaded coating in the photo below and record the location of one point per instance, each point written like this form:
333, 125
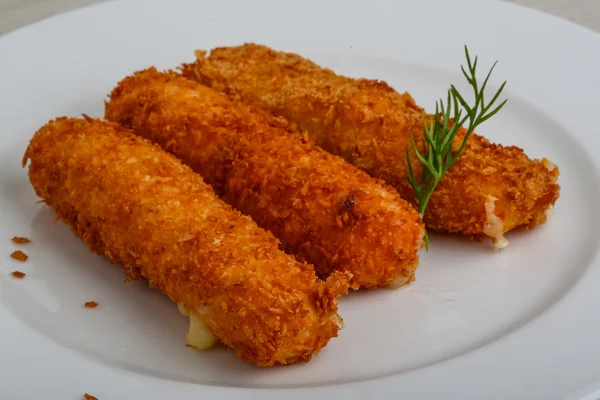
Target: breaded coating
490, 190
20, 240
136, 204
324, 210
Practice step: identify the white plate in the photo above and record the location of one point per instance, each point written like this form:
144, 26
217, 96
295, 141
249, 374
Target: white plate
476, 324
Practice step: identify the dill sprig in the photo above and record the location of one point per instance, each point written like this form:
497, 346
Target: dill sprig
439, 133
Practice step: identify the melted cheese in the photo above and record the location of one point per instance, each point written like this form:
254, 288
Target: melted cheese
549, 212
199, 336
397, 282
493, 226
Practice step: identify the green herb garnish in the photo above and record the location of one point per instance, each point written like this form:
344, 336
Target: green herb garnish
438, 135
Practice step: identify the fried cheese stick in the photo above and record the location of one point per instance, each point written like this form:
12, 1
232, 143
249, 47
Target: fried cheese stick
324, 210
136, 204
490, 190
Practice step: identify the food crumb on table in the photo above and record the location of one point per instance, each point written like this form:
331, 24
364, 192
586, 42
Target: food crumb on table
89, 397
21, 240
91, 304
19, 255
18, 274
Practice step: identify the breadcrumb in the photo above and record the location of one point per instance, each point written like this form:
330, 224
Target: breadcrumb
89, 397
368, 123
18, 274
20, 240
161, 221
90, 304
19, 255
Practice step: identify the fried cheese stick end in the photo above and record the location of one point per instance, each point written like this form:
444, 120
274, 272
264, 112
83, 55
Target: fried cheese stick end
489, 191
129, 200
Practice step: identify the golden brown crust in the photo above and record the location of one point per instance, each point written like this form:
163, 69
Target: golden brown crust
369, 124
20, 240
136, 204
324, 210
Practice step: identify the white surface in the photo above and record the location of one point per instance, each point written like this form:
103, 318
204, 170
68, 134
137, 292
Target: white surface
476, 324
17, 13
583, 12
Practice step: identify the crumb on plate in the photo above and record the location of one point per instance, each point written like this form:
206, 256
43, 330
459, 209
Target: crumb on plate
91, 304
19, 255
21, 240
89, 397
18, 274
